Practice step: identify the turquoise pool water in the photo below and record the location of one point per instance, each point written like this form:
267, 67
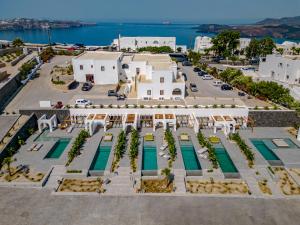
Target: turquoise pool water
101, 158
266, 152
190, 159
58, 148
271, 145
224, 159
149, 161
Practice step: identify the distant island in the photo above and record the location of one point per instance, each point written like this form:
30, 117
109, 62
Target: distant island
31, 24
288, 28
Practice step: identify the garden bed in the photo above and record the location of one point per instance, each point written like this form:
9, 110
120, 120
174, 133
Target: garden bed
21, 176
156, 186
81, 185
217, 187
286, 183
263, 186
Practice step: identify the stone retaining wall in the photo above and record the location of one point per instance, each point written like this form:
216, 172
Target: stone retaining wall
274, 118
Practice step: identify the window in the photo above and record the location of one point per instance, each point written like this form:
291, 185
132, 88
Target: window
92, 66
162, 80
114, 67
81, 67
148, 92
102, 68
287, 77
161, 92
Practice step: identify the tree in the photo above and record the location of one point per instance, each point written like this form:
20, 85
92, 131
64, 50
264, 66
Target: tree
267, 46
280, 50
225, 43
166, 172
253, 50
8, 161
179, 49
17, 42
194, 57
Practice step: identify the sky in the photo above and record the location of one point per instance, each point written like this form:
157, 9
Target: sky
198, 11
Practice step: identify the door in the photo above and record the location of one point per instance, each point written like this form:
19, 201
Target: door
89, 78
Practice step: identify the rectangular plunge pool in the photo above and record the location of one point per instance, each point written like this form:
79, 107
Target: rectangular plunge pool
149, 161
101, 158
224, 160
264, 150
58, 148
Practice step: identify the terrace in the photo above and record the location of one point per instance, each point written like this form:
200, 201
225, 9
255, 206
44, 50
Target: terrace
94, 120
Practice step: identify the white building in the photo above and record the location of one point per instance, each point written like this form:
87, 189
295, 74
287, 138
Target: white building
133, 43
284, 69
287, 47
153, 76
202, 43
98, 67
244, 43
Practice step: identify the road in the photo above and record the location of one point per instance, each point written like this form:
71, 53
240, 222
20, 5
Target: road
38, 207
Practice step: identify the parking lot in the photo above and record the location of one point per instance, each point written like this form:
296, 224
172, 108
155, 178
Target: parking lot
206, 88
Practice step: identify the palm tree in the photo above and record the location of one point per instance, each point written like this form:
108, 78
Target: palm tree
18, 42
167, 173
7, 161
293, 49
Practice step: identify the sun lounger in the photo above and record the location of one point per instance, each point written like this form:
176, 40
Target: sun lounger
167, 156
161, 154
70, 129
108, 137
163, 147
184, 137
37, 147
203, 156
280, 143
31, 147
202, 150
149, 137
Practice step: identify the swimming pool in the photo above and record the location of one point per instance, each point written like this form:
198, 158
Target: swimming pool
264, 150
190, 159
58, 148
224, 160
101, 158
149, 161
270, 144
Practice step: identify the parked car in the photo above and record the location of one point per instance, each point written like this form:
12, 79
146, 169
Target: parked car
240, 93
83, 102
58, 105
86, 86
186, 63
197, 69
184, 76
121, 97
193, 87
207, 77
217, 83
201, 73
112, 93
226, 87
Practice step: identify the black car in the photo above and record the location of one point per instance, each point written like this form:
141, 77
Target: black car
226, 87
186, 63
201, 73
197, 69
86, 86
242, 94
112, 93
121, 97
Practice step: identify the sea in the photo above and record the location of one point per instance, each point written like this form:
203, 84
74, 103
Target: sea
103, 33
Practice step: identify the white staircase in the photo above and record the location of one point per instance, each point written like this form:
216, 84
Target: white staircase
122, 183
55, 175
179, 181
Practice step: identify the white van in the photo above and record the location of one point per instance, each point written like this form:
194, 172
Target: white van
218, 83
83, 102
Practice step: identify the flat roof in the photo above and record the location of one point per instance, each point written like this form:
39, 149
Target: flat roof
100, 55
152, 57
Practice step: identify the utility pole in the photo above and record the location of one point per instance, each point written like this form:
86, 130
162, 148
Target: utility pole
49, 35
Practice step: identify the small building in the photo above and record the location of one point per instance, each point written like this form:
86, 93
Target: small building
243, 43
134, 43
153, 76
280, 68
202, 43
98, 67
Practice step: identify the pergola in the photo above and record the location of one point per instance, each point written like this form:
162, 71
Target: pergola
92, 120
43, 121
146, 120
165, 120
226, 123
185, 120
114, 121
131, 120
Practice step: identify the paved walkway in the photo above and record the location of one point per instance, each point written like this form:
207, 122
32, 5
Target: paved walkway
38, 207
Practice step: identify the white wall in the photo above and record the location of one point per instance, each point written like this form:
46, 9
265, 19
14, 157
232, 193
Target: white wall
202, 43
281, 69
138, 42
110, 75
